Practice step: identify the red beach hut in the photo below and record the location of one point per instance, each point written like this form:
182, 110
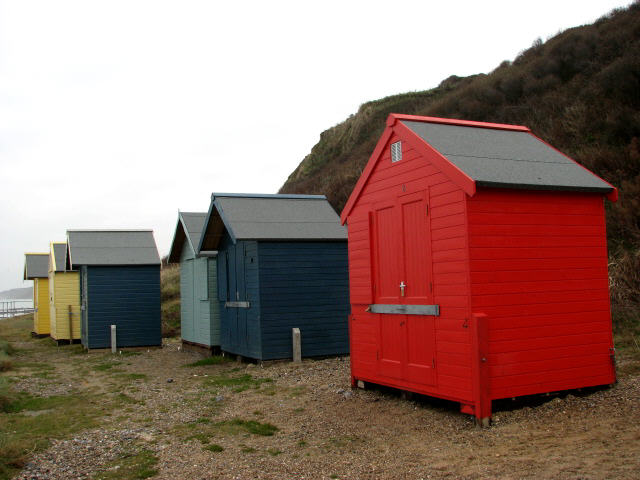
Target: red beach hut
478, 265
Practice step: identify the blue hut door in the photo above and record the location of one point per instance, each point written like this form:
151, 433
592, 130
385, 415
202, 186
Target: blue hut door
84, 312
236, 293
241, 296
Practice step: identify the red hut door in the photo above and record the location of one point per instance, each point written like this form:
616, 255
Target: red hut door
402, 273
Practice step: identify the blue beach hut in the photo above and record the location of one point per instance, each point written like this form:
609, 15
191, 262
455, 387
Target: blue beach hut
282, 263
119, 285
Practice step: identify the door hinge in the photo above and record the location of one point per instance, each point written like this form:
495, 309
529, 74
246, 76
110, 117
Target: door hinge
377, 356
433, 363
431, 286
426, 207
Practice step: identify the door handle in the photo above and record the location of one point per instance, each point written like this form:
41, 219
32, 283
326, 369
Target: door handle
402, 287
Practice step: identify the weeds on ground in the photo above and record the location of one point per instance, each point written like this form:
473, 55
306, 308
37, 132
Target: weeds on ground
201, 437
131, 376
6, 350
103, 367
238, 425
246, 449
21, 435
138, 465
214, 448
237, 383
213, 360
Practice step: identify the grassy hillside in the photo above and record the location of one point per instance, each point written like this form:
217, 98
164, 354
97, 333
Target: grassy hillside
579, 91
170, 293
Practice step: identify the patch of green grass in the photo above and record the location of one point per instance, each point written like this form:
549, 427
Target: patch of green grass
214, 448
246, 449
22, 435
132, 376
274, 452
213, 360
6, 350
38, 366
254, 427
203, 420
104, 366
136, 466
302, 443
6, 347
238, 383
24, 402
5, 362
122, 399
202, 437
127, 353
333, 475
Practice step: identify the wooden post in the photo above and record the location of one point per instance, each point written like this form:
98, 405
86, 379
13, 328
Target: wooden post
297, 345
113, 339
70, 326
480, 369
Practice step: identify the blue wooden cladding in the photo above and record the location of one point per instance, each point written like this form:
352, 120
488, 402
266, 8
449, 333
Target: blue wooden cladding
125, 296
119, 285
268, 286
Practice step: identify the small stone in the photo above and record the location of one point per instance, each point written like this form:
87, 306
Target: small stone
219, 398
169, 380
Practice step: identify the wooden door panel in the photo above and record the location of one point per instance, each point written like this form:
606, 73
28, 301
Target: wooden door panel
387, 258
420, 330
416, 250
391, 350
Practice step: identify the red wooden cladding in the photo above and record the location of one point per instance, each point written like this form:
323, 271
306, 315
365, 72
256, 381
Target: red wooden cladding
520, 278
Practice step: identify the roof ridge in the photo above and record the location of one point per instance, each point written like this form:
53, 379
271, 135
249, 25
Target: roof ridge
106, 230
394, 117
287, 196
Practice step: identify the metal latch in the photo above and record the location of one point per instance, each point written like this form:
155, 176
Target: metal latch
402, 287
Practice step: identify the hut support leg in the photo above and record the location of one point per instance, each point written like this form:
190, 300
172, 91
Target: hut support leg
480, 369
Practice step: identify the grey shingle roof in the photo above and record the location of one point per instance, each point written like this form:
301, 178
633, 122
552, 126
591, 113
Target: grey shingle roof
193, 224
112, 247
272, 217
506, 158
189, 228
36, 265
60, 255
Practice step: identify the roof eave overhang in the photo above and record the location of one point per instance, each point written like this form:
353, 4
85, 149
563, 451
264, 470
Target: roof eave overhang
214, 205
179, 236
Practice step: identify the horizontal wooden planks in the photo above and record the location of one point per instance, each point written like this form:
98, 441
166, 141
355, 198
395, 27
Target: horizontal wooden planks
128, 297
304, 285
539, 271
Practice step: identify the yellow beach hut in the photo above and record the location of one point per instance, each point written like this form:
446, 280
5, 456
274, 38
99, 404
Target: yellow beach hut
36, 269
64, 295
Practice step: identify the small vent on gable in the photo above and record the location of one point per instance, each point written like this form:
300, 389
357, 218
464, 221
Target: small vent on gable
396, 152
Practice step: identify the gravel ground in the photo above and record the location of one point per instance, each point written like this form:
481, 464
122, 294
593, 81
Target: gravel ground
326, 430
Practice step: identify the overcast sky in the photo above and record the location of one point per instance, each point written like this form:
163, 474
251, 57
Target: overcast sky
119, 113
